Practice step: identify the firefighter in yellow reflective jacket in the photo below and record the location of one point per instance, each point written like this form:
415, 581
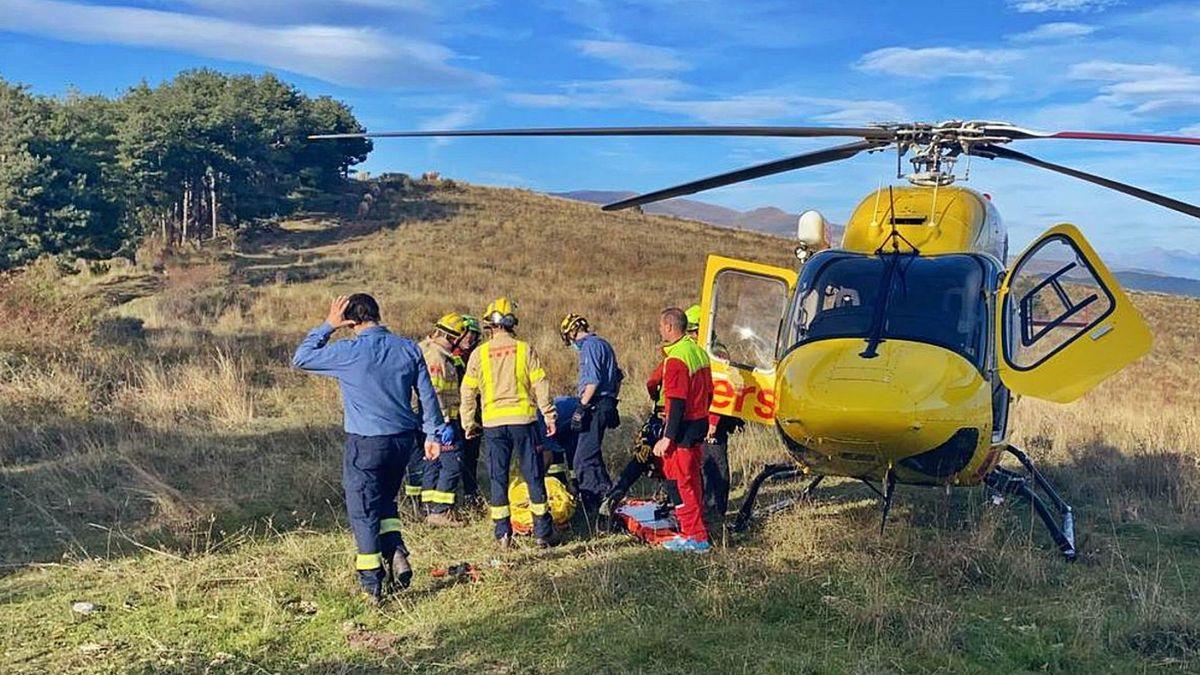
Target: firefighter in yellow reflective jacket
507, 376
439, 483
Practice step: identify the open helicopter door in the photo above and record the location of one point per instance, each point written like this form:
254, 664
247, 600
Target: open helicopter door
1063, 323
742, 309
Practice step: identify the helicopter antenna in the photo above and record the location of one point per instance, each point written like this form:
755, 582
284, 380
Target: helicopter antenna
875, 211
894, 238
933, 205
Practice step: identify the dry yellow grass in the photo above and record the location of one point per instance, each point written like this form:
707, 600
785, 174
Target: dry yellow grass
189, 434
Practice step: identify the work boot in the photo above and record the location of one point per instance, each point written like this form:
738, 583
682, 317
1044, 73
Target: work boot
609, 505
400, 572
442, 519
549, 540
370, 583
505, 542
372, 596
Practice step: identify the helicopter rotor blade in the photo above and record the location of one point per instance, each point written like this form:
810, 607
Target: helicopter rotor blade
826, 155
876, 133
1019, 134
993, 151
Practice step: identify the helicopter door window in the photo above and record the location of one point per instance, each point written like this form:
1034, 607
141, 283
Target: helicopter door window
1055, 297
746, 315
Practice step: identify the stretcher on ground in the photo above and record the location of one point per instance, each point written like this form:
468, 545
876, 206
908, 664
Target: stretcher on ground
641, 519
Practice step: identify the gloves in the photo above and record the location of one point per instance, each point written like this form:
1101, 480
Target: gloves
579, 419
446, 435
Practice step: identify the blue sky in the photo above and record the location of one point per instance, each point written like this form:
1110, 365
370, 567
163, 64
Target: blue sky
1045, 64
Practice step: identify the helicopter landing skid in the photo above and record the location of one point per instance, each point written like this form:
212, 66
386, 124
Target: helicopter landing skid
775, 472
1002, 481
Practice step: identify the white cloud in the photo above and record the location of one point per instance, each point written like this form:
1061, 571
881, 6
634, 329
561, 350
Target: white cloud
1153, 90
291, 9
1042, 6
672, 96
457, 117
603, 93
343, 55
1193, 130
931, 63
632, 55
1048, 32
744, 108
1114, 71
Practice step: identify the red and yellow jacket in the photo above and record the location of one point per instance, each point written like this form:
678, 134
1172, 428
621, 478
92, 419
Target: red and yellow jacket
654, 389
687, 391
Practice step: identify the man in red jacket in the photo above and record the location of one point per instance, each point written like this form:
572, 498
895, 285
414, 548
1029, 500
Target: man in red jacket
687, 390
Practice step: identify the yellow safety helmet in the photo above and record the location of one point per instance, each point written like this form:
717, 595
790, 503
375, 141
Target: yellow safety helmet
571, 323
452, 324
501, 312
693, 318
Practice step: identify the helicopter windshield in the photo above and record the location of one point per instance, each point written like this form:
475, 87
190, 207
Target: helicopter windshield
937, 300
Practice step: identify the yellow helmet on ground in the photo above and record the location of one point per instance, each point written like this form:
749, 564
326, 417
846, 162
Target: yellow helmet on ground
570, 324
452, 324
693, 318
501, 312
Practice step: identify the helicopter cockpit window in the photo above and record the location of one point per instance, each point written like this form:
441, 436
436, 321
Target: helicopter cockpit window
937, 300
1054, 297
746, 314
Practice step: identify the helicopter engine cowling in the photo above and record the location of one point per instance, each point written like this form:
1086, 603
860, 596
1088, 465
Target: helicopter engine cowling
845, 414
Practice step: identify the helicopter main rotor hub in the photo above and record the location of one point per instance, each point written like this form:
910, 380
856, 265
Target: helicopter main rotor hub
936, 148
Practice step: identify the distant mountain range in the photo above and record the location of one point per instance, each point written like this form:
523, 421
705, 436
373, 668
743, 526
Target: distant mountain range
1156, 269
1161, 261
768, 219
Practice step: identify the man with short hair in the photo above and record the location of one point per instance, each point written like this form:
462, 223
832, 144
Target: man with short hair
714, 462
687, 390
378, 373
599, 386
505, 376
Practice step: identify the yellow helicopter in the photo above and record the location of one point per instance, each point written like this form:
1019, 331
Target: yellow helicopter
894, 357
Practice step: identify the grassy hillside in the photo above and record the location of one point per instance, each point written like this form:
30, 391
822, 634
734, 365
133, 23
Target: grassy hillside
159, 459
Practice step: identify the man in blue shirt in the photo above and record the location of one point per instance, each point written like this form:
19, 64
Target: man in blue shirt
378, 373
599, 385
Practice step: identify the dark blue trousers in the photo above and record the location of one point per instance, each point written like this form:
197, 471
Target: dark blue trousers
502, 443
470, 467
439, 484
372, 472
591, 475
415, 480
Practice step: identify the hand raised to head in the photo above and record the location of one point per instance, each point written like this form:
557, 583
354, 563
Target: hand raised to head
337, 313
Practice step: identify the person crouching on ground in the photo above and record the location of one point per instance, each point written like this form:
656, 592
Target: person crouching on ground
378, 372
687, 391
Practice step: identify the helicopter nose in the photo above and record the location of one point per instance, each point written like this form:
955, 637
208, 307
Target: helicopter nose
910, 397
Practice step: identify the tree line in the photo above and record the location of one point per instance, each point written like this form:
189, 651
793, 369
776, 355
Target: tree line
90, 176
